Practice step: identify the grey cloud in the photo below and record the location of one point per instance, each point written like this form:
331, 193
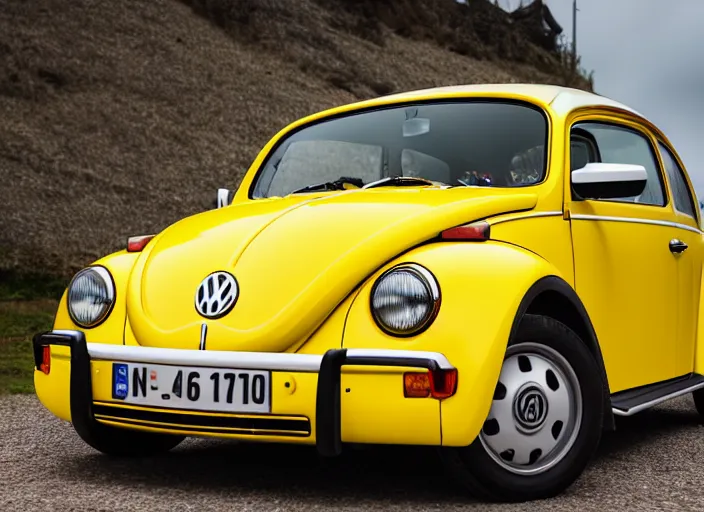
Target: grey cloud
647, 54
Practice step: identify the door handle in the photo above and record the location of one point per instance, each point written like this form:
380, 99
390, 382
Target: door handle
677, 246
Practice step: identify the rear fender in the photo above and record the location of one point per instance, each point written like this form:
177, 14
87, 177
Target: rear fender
699, 344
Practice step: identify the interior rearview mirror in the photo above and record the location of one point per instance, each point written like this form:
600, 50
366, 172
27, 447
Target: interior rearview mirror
609, 181
224, 197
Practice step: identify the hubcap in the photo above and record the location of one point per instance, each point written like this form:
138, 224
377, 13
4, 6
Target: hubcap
530, 408
536, 412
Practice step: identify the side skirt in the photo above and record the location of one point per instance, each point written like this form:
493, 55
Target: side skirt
631, 401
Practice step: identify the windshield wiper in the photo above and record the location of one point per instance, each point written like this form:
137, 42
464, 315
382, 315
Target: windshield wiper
338, 184
399, 181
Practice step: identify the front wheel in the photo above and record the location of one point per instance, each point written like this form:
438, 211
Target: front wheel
545, 421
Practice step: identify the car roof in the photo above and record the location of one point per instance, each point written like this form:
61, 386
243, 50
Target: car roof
562, 99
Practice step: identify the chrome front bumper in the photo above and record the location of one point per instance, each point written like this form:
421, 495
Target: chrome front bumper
328, 366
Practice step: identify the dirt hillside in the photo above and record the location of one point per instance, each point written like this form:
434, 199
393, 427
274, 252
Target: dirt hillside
120, 117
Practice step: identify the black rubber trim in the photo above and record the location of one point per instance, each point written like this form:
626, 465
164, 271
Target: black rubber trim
81, 387
628, 399
556, 284
412, 102
197, 420
43, 339
327, 414
327, 407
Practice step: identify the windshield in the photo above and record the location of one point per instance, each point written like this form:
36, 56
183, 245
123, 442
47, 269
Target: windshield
470, 143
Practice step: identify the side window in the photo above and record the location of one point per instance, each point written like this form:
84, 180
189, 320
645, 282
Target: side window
680, 189
600, 142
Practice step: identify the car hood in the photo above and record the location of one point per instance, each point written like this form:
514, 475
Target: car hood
295, 259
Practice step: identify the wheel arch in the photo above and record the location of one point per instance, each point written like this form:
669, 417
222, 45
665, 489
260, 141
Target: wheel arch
552, 296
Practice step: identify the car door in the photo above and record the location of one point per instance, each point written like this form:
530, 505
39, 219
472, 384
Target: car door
625, 272
687, 216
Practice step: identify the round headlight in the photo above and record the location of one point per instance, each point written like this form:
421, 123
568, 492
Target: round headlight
405, 300
91, 295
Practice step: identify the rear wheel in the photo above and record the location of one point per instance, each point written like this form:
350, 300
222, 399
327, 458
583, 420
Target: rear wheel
698, 397
545, 421
120, 442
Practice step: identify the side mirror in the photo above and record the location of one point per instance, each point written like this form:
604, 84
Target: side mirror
609, 181
224, 197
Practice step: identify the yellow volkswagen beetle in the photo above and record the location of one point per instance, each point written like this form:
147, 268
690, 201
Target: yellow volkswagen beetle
494, 270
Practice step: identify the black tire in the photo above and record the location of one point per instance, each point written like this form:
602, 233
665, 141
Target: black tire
120, 442
474, 468
698, 397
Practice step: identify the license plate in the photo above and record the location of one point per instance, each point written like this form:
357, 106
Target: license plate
195, 388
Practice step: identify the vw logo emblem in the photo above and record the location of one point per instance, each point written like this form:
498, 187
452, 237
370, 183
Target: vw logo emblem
216, 295
530, 408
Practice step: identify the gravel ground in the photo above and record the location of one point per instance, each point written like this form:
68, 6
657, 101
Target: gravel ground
653, 462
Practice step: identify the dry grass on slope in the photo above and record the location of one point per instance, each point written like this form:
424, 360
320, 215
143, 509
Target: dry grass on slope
119, 118
312, 34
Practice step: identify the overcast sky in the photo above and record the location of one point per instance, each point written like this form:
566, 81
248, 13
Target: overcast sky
647, 54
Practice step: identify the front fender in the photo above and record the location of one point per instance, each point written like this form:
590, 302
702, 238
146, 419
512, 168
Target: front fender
53, 389
482, 285
120, 266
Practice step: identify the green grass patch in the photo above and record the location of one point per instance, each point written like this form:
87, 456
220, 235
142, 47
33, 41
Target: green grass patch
16, 286
16, 367
19, 321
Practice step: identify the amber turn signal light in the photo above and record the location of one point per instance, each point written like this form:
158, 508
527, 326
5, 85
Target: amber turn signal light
437, 384
416, 385
45, 366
